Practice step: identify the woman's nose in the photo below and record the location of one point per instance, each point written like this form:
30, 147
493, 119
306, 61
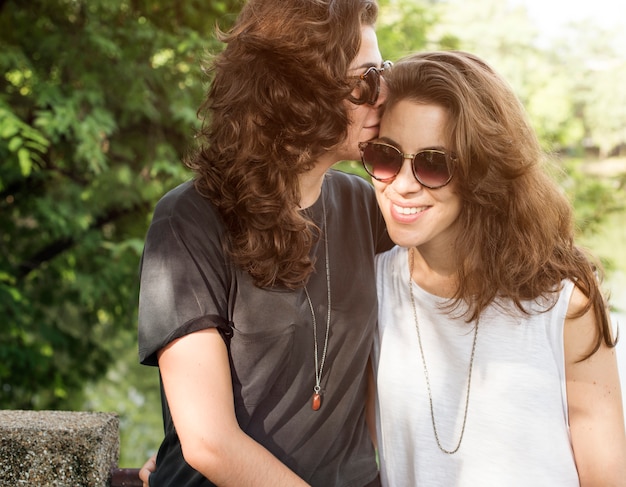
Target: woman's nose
405, 181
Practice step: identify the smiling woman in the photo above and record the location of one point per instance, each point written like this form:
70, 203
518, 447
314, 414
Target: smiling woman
493, 333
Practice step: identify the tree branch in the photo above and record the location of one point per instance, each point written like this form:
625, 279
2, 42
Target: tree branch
59, 246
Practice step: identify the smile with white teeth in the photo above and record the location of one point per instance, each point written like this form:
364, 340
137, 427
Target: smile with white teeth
409, 211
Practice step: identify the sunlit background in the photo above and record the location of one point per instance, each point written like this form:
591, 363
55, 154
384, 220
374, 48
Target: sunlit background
579, 23
552, 17
97, 107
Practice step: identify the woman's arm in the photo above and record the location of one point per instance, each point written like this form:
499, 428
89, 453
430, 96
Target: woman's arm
197, 382
594, 400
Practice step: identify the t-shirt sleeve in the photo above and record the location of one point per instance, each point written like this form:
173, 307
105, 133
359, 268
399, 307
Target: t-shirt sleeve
184, 276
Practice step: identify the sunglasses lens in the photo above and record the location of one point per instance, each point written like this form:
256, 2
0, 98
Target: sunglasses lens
381, 161
431, 168
368, 87
372, 81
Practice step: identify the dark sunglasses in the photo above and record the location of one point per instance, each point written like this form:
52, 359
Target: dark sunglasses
432, 168
370, 89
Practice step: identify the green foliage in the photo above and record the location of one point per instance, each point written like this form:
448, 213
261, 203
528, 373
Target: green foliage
132, 392
572, 87
402, 27
594, 199
97, 108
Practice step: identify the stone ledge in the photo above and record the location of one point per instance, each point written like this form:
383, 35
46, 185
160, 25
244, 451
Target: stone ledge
57, 448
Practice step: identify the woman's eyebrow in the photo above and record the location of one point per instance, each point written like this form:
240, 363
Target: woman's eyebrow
390, 141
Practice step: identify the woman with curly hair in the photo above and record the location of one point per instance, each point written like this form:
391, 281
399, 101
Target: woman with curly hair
494, 357
258, 300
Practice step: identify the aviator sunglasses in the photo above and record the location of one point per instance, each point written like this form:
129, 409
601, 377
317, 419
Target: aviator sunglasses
432, 168
370, 89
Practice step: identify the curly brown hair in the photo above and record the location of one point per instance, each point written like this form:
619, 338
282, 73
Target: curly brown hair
275, 104
516, 238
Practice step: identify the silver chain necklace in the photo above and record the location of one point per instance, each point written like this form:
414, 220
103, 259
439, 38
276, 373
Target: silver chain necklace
430, 395
316, 400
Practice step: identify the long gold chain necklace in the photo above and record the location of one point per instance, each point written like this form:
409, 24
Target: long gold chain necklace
316, 400
430, 395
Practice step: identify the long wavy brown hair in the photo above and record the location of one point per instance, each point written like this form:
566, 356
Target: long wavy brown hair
275, 104
516, 238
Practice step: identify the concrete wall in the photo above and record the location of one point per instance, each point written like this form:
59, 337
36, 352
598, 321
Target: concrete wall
58, 448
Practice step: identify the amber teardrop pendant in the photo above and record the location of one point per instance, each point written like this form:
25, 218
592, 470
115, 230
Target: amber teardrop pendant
316, 402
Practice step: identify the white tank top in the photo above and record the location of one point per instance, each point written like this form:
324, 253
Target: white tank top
517, 430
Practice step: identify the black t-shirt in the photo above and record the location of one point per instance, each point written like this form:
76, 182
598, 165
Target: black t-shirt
189, 284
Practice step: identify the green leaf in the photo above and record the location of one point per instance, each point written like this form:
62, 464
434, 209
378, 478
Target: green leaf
15, 143
26, 164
